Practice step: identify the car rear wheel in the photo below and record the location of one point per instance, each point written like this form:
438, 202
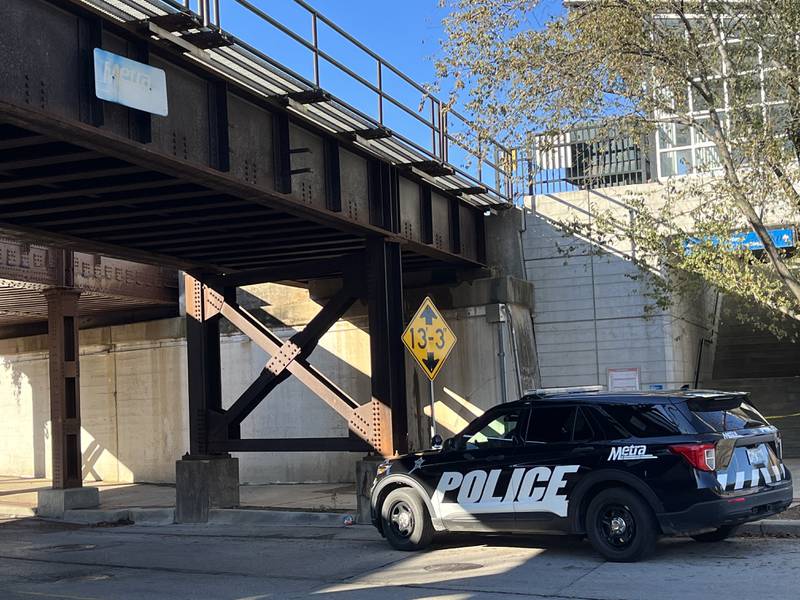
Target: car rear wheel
717, 535
406, 522
621, 526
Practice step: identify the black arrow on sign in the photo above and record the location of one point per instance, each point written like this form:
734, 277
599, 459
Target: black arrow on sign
430, 362
428, 315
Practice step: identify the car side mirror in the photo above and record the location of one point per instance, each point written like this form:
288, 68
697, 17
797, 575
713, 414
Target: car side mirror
436, 442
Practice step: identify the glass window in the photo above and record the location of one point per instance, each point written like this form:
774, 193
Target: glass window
550, 424
638, 420
707, 159
682, 135
739, 417
498, 429
583, 431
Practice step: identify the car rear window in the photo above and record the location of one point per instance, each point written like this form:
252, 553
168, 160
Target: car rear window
638, 420
716, 415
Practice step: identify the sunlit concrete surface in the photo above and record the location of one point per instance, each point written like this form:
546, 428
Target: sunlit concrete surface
180, 562
18, 496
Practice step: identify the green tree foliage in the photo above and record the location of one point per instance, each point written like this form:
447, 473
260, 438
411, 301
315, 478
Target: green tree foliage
727, 70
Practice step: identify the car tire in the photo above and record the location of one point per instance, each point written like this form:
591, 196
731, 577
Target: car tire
717, 535
405, 519
621, 526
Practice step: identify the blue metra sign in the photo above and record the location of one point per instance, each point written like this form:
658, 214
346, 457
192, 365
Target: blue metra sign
130, 83
782, 237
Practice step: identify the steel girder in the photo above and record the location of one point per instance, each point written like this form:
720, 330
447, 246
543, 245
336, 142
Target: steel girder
378, 425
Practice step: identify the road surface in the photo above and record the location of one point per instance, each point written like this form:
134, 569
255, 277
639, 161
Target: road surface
68, 562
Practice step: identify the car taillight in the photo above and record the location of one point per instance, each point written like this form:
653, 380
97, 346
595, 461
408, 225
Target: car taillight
700, 456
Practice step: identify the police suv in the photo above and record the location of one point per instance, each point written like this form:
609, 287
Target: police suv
620, 468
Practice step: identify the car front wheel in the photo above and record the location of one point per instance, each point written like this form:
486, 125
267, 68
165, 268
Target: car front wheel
621, 526
406, 523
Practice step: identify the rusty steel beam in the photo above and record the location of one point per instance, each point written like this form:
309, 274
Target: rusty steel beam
100, 143
49, 180
65, 414
116, 202
326, 444
259, 234
159, 182
291, 248
269, 259
159, 236
385, 305
206, 204
205, 376
217, 216
74, 156
35, 267
317, 383
217, 430
309, 269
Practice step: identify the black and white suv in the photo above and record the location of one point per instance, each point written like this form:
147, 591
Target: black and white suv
621, 468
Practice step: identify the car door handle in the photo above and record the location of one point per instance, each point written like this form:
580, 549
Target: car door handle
583, 450
495, 457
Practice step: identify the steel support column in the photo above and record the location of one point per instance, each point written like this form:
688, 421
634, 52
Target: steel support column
65, 406
205, 379
385, 304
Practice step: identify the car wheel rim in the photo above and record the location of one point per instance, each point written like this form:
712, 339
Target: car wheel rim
617, 525
401, 517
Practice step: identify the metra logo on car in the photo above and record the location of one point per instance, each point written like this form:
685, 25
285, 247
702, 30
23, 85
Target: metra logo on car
629, 453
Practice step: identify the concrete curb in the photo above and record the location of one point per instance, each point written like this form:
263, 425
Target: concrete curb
152, 516
235, 516
94, 516
216, 516
139, 516
11, 511
771, 528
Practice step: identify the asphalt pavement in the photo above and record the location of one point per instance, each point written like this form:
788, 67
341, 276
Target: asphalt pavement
41, 559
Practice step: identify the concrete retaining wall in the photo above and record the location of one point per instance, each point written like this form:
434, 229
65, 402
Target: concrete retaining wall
134, 391
591, 307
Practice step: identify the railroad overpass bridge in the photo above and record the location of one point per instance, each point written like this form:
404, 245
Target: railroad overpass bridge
255, 173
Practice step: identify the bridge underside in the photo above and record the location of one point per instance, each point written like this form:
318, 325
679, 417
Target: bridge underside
233, 188
75, 196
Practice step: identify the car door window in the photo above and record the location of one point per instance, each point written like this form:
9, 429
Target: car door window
499, 429
551, 424
583, 431
641, 421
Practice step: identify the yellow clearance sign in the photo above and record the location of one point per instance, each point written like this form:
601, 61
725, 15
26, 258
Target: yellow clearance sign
429, 339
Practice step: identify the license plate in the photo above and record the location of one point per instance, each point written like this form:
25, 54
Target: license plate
757, 456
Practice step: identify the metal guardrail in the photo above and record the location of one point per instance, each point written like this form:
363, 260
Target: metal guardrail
484, 173
583, 159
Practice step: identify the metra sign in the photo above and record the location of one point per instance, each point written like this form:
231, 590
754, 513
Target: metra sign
136, 85
782, 237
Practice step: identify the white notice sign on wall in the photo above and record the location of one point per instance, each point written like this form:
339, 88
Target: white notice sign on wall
623, 380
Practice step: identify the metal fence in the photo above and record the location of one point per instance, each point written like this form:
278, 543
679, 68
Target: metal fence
485, 164
580, 159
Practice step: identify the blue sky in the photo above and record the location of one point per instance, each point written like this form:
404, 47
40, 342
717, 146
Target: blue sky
406, 33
